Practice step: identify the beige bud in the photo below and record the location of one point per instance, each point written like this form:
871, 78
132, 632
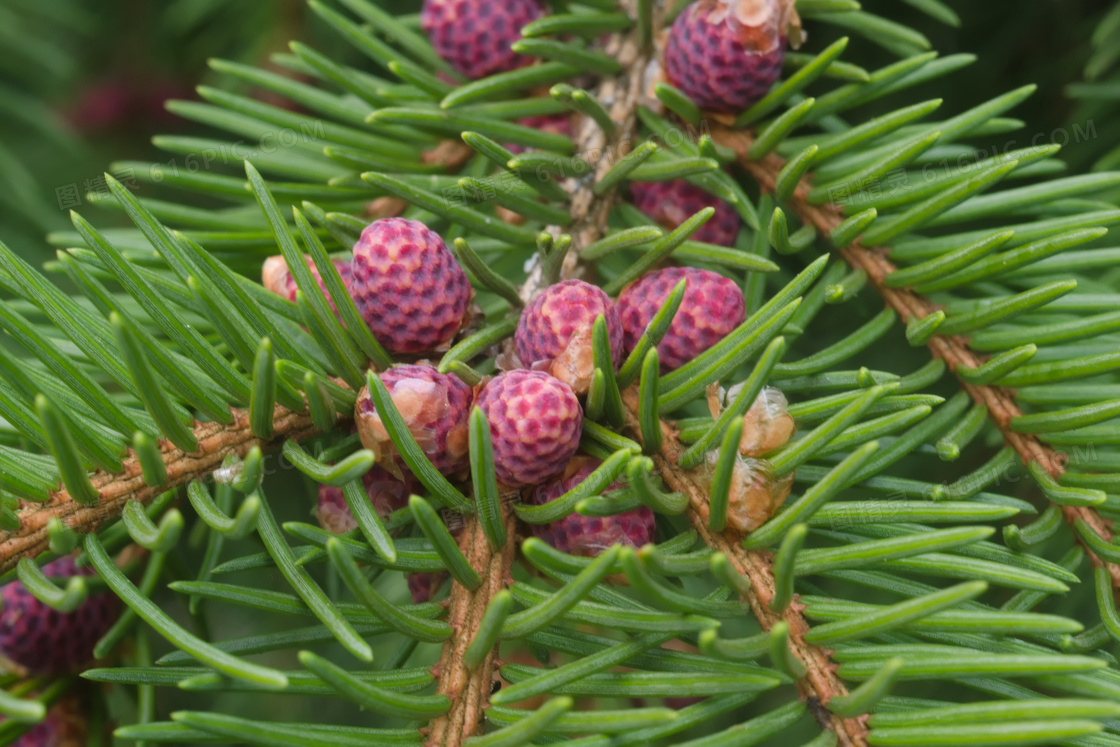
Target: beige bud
420, 403
575, 365
755, 495
767, 425
761, 22
508, 216
385, 207
275, 275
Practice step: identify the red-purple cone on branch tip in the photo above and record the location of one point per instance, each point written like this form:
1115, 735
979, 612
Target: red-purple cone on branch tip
386, 494
276, 276
435, 407
588, 536
535, 425
423, 586
557, 124
45, 640
673, 202
726, 54
475, 35
712, 307
408, 286
555, 332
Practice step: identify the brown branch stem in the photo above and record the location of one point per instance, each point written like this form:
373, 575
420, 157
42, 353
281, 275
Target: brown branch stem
215, 442
954, 350
820, 683
469, 689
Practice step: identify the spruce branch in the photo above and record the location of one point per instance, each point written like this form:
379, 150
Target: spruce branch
820, 684
468, 661
953, 349
216, 441
469, 687
590, 208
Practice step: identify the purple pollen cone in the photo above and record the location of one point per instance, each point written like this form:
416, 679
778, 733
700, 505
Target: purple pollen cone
45, 640
423, 586
556, 330
46, 733
726, 54
386, 494
712, 308
673, 202
408, 286
475, 35
557, 124
535, 425
276, 276
588, 536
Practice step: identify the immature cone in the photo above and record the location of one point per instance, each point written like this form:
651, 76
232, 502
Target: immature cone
475, 35
673, 202
588, 536
408, 286
386, 494
726, 54
712, 307
47, 641
277, 277
555, 332
535, 425
435, 407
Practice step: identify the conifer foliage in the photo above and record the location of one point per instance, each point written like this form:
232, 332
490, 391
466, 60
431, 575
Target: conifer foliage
842, 471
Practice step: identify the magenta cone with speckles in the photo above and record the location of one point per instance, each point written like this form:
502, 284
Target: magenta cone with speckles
475, 35
712, 308
721, 62
673, 202
408, 286
45, 640
556, 329
535, 425
435, 407
386, 494
588, 536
